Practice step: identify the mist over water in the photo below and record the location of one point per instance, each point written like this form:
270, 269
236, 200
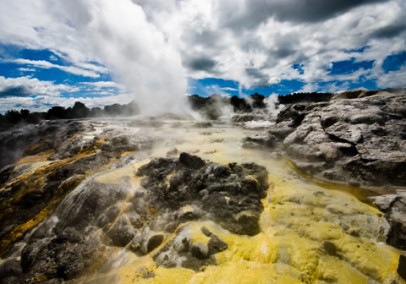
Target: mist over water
136, 51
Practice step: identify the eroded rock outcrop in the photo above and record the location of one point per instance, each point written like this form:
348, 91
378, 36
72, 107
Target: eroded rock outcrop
96, 216
85, 205
230, 195
355, 138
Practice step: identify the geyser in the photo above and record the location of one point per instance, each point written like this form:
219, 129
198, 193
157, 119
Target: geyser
135, 50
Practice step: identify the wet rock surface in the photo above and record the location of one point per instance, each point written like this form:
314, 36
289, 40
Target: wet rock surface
394, 207
357, 138
81, 204
30, 140
402, 266
33, 197
56, 222
183, 252
230, 195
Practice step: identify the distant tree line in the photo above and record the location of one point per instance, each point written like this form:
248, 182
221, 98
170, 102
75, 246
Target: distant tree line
305, 98
211, 106
79, 110
254, 101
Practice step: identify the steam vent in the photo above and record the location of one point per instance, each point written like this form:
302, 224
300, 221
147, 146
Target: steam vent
312, 194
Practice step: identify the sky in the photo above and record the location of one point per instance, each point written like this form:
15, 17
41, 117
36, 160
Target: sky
100, 52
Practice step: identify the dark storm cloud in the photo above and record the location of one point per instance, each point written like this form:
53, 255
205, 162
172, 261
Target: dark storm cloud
258, 11
313, 10
284, 52
201, 64
260, 79
390, 31
204, 37
14, 92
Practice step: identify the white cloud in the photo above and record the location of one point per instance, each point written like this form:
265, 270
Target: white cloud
392, 79
240, 38
48, 65
35, 24
43, 103
23, 69
229, 89
103, 84
93, 67
152, 45
33, 86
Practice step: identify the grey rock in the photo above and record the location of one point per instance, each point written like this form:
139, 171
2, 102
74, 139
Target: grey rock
402, 266
120, 234
216, 244
154, 242
358, 138
394, 207
199, 250
206, 232
330, 248
222, 192
191, 161
10, 271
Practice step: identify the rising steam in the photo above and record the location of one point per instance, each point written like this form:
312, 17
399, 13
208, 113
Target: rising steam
136, 52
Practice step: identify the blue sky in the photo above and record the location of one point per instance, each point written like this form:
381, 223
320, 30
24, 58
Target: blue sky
159, 51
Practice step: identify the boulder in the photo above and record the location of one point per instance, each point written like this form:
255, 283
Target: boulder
199, 250
191, 161
216, 244
394, 207
230, 195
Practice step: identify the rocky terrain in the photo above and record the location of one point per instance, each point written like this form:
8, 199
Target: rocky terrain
356, 138
352, 139
78, 219
163, 200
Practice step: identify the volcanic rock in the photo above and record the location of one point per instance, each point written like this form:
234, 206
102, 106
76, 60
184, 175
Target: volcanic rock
402, 266
357, 138
191, 161
199, 250
216, 244
229, 194
394, 207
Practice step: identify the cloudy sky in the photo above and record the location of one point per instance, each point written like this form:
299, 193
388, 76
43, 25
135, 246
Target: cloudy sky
55, 52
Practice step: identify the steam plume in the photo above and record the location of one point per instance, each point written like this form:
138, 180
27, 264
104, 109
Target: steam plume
136, 52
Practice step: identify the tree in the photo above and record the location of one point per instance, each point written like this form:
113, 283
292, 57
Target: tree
79, 110
95, 112
24, 113
114, 109
13, 116
56, 112
240, 105
258, 101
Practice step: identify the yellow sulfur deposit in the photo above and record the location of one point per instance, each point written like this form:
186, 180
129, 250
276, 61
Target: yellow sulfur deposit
290, 247
312, 232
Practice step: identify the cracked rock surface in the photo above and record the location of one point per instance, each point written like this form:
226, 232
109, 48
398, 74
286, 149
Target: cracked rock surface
230, 195
359, 140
